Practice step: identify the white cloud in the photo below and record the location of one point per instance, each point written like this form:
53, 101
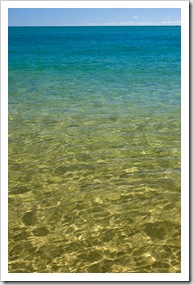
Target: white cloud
135, 17
138, 23
171, 23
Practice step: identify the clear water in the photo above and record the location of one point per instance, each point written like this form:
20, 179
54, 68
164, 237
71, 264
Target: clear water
94, 149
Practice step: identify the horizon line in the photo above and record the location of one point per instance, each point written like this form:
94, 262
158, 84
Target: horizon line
153, 25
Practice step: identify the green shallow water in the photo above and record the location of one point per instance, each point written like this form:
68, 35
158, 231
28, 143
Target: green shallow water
94, 153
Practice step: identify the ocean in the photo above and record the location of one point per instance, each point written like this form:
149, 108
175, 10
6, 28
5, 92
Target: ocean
94, 149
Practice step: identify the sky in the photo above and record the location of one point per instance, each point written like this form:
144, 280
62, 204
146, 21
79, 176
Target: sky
92, 16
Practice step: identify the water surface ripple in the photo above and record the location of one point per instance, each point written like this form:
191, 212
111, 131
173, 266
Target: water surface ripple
94, 149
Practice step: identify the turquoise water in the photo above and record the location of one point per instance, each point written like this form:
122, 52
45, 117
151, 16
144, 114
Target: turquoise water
94, 149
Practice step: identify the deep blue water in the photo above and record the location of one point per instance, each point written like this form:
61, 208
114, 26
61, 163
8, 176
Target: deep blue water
94, 149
